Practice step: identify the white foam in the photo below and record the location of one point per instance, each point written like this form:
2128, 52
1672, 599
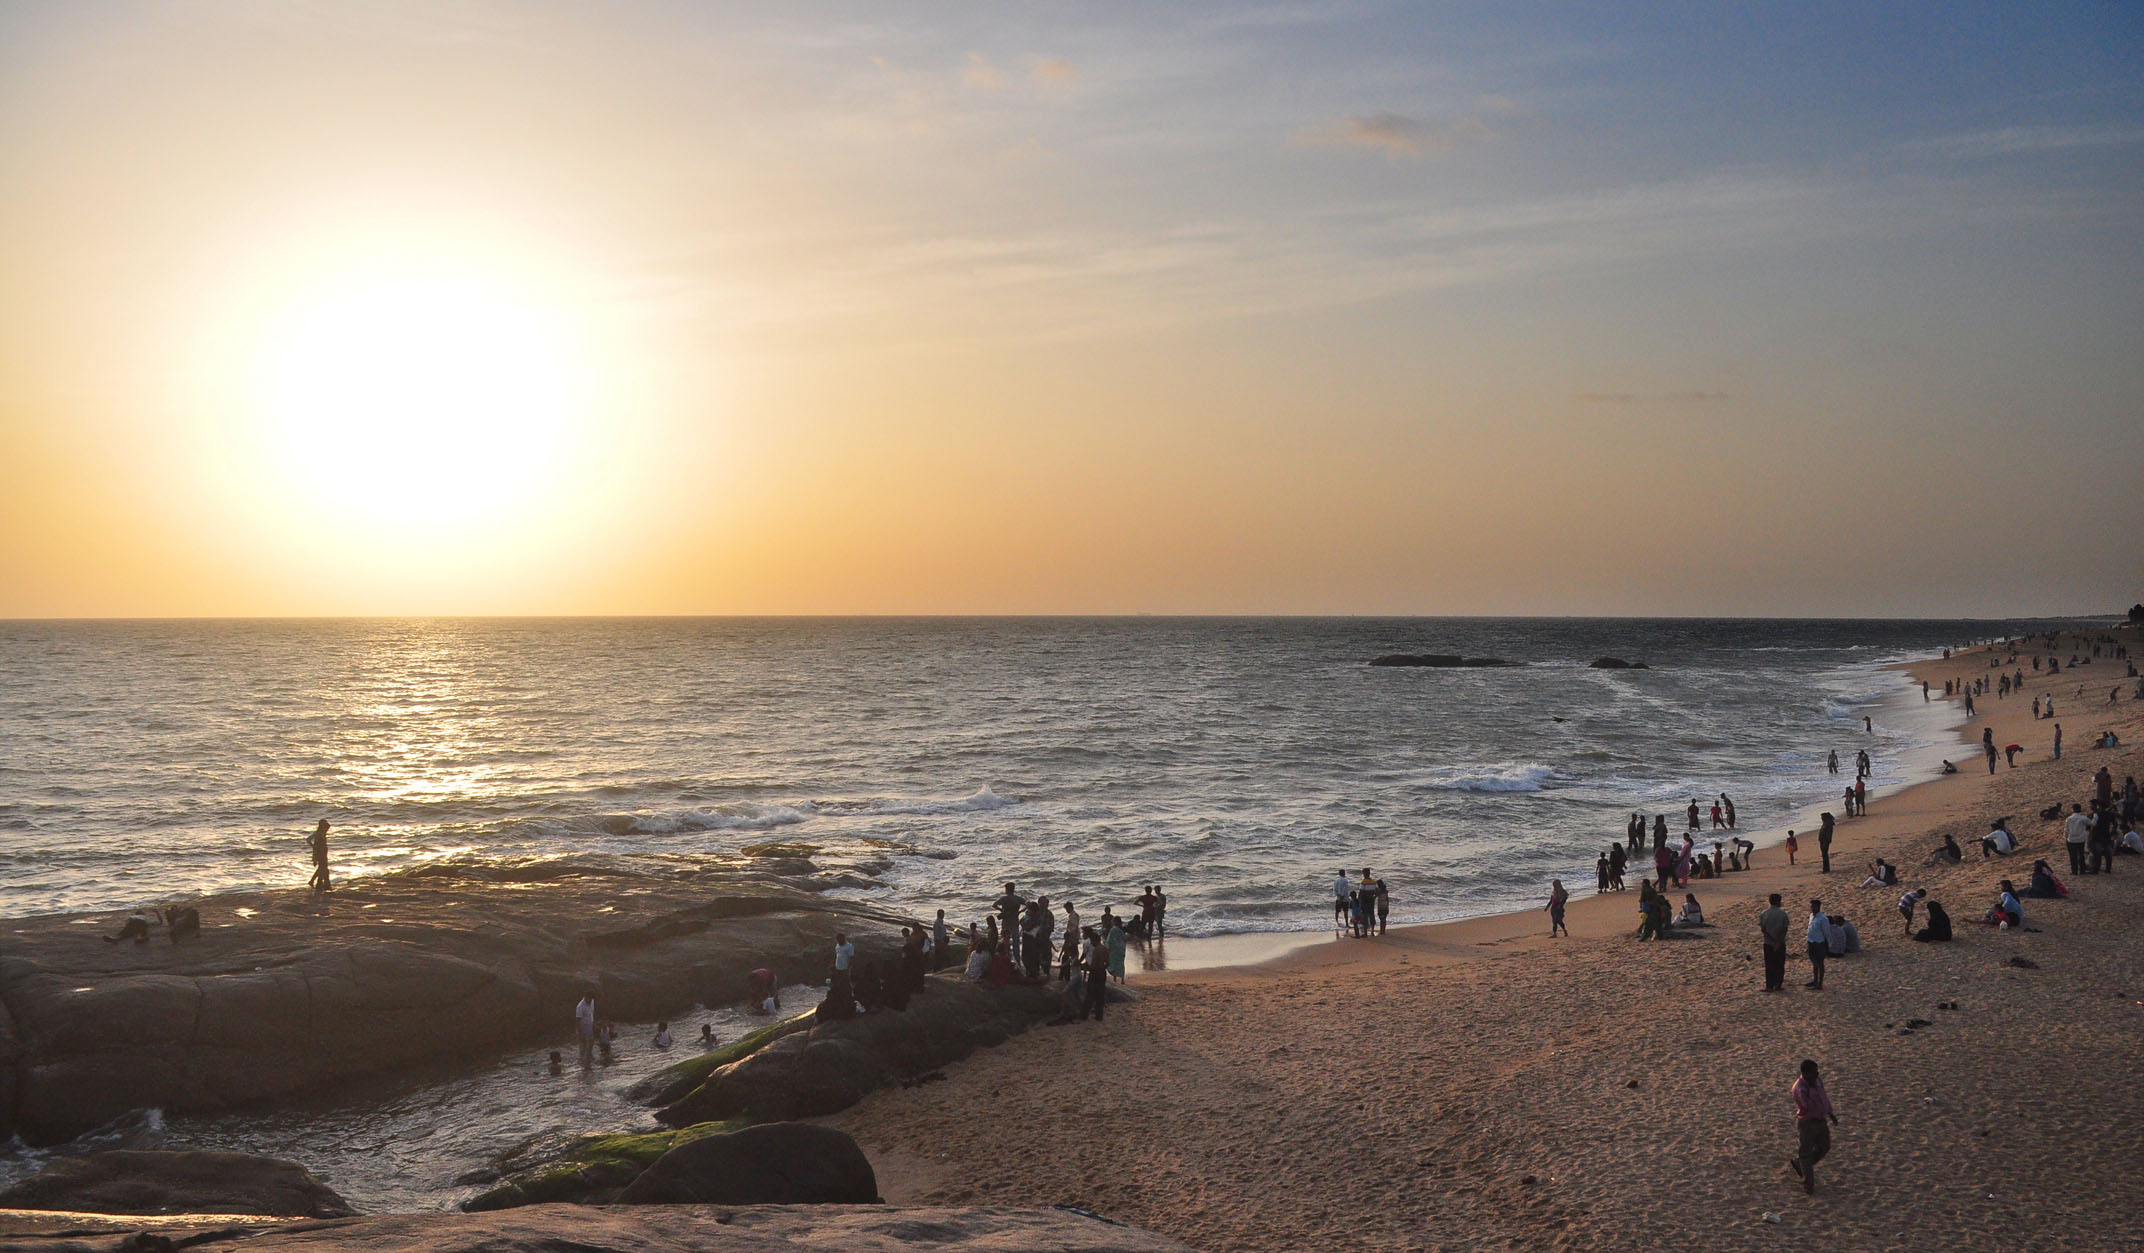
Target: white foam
1520, 776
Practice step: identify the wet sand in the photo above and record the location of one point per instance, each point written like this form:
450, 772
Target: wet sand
1479, 1085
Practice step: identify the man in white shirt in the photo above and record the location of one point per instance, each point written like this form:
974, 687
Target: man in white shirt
1343, 893
584, 1021
844, 952
2076, 829
1997, 841
1818, 938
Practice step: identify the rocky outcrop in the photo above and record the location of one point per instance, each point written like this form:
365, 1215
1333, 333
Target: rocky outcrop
1616, 663
131, 1182
1436, 660
667, 1229
829, 1065
286, 993
782, 1163
592, 1170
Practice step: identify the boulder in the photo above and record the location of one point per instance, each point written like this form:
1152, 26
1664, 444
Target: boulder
130, 1181
783, 1163
827, 1066
670, 1229
1616, 663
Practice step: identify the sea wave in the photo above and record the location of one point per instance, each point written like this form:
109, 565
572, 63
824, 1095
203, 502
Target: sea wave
1509, 776
980, 801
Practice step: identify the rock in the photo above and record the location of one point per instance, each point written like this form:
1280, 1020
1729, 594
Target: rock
783, 1163
1436, 660
2024, 963
1616, 663
828, 1066
591, 1171
669, 1229
453, 962
142, 1182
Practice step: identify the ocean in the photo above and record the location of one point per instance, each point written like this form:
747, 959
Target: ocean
1238, 763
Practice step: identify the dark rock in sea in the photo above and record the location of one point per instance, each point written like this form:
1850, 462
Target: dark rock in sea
1436, 660
628, 1229
822, 1067
285, 993
141, 1182
1617, 663
783, 1163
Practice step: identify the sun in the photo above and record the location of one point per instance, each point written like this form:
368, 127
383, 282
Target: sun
413, 405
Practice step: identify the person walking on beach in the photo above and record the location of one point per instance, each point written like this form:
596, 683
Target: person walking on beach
1792, 845
319, 844
1557, 899
1813, 1120
1818, 938
1772, 925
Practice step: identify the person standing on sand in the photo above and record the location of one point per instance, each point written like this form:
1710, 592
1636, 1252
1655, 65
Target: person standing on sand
1113, 940
1861, 797
1384, 905
1792, 845
1600, 875
1097, 967
1343, 892
319, 844
1772, 925
1813, 1120
1823, 838
2075, 831
2058, 731
1557, 899
1818, 938
941, 952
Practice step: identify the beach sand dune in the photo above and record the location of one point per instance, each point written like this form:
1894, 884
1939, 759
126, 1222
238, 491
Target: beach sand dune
1476, 1085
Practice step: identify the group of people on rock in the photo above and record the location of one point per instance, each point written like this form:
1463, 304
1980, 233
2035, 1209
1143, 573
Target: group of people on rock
1016, 943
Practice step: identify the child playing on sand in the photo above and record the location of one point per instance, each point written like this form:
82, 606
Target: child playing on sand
1792, 844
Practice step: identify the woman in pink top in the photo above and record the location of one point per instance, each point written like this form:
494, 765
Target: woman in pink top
1813, 1120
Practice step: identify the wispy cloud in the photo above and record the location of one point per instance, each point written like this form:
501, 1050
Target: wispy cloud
1055, 72
1397, 135
2011, 141
1634, 398
981, 74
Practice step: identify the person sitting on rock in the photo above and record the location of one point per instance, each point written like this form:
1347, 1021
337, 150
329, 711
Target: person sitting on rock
760, 993
1000, 972
183, 922
978, 963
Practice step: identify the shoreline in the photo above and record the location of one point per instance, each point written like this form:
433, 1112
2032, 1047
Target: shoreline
1250, 950
1475, 1084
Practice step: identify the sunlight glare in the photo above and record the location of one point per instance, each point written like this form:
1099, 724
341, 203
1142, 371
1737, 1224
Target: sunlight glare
417, 404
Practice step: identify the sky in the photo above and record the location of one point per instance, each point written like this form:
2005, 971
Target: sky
711, 308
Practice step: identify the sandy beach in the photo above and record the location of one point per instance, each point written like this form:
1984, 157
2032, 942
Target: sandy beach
1479, 1085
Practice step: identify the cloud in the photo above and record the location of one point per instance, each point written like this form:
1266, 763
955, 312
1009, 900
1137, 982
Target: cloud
2011, 141
981, 74
1055, 72
1396, 135
1632, 398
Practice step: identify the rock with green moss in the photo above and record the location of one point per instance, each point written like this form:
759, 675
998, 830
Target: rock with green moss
593, 1170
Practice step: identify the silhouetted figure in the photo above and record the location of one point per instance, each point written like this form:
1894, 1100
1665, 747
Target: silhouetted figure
319, 842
